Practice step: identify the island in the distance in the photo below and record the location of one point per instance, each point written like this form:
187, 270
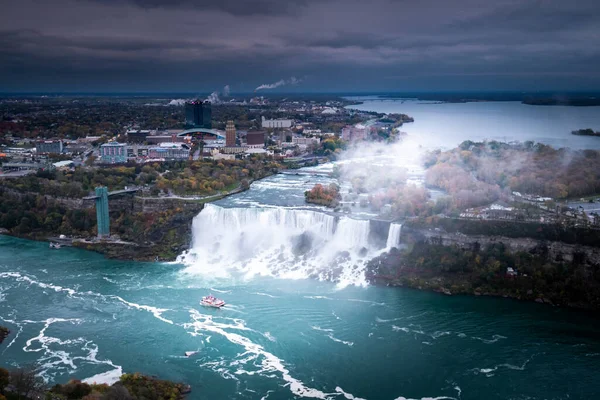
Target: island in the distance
585, 132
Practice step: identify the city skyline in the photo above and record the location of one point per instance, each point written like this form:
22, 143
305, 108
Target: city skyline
267, 46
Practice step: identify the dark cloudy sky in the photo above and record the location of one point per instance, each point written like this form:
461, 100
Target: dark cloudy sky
330, 45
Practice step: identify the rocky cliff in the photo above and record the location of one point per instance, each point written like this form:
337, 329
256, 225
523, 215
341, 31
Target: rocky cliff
524, 268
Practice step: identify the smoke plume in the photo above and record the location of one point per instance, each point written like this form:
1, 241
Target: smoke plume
214, 96
282, 82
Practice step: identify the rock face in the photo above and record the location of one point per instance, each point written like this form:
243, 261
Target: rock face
162, 241
553, 273
556, 251
148, 204
3, 333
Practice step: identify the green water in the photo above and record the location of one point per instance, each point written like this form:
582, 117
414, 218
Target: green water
77, 315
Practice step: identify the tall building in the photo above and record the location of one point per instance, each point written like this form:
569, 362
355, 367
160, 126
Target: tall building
102, 212
198, 114
230, 134
207, 115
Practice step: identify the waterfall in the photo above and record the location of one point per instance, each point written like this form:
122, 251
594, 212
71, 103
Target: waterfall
280, 242
352, 232
393, 238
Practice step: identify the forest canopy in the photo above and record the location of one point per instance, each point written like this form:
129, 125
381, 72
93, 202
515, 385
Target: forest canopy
479, 173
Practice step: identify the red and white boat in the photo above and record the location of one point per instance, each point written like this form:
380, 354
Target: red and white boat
212, 301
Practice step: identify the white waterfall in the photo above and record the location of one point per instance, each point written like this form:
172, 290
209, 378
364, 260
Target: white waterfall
393, 238
280, 242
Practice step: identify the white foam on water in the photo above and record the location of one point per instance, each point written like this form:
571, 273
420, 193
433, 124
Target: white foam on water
157, 312
427, 398
374, 303
494, 339
349, 396
53, 360
220, 291
266, 396
330, 336
318, 328
347, 343
269, 363
288, 243
24, 278
108, 377
318, 297
458, 389
381, 320
489, 372
16, 336
265, 294
269, 336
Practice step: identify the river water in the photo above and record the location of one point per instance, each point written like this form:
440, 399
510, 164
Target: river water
448, 124
300, 320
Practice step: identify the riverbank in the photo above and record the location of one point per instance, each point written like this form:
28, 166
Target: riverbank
143, 228
4, 332
24, 384
523, 268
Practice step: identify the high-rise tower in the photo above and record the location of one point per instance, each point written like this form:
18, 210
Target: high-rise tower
230, 134
102, 211
198, 114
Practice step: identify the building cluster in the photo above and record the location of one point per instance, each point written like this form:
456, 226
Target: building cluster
355, 133
285, 137
145, 146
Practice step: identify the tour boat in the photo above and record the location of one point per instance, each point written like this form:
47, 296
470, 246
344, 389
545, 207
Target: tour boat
54, 246
212, 301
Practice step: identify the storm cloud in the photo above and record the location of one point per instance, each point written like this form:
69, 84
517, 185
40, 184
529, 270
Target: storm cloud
335, 45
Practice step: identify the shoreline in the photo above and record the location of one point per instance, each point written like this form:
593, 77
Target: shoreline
152, 247
441, 290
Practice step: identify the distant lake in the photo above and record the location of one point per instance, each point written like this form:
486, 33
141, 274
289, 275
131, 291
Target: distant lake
448, 124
